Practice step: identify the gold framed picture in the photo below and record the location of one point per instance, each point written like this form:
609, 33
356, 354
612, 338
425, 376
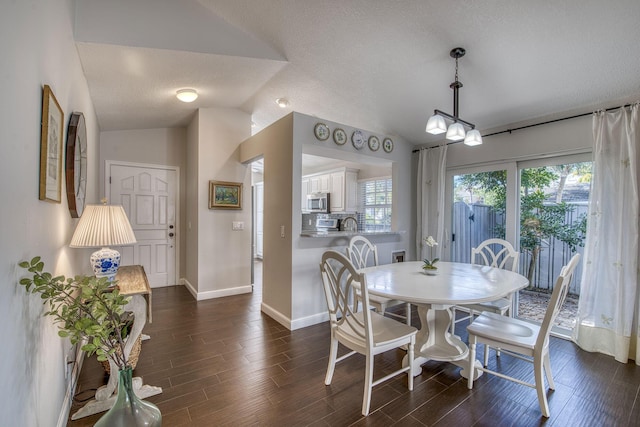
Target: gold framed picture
51, 147
225, 195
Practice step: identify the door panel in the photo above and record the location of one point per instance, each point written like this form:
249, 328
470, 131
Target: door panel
482, 205
148, 195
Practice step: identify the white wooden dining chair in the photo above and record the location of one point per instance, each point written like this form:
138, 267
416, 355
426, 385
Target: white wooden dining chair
521, 339
495, 253
365, 332
361, 252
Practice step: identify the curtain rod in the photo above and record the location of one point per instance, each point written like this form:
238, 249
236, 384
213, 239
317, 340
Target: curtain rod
529, 126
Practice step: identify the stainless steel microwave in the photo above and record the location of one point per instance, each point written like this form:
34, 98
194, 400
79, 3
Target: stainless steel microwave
318, 202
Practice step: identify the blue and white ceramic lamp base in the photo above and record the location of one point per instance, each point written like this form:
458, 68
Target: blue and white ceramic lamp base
105, 263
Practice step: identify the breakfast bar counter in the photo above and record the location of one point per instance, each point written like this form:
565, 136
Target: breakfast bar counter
349, 234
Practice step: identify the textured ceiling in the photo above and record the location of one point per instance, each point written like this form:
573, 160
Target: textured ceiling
380, 65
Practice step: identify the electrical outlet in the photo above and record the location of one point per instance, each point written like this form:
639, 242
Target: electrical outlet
237, 225
282, 231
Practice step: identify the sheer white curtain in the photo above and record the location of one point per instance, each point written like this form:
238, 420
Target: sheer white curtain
609, 296
430, 198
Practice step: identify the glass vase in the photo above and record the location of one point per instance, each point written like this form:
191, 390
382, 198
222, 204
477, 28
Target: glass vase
129, 409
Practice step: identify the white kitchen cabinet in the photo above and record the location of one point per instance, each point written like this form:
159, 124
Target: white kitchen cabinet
320, 183
337, 191
341, 183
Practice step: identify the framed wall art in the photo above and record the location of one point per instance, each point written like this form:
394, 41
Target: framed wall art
225, 195
51, 144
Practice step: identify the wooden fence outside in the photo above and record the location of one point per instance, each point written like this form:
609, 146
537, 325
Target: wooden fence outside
473, 224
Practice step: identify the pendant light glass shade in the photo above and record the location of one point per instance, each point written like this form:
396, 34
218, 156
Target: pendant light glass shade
436, 125
455, 132
473, 138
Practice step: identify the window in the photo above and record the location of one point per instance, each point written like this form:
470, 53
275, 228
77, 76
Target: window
376, 202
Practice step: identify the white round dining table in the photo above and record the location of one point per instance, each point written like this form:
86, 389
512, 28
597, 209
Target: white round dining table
434, 295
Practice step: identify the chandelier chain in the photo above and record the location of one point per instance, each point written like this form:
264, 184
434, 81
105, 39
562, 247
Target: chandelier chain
456, 70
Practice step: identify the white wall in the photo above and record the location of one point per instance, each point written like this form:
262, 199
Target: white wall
166, 147
191, 215
275, 143
37, 48
223, 255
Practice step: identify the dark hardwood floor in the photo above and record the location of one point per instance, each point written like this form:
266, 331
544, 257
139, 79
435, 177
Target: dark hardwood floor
222, 362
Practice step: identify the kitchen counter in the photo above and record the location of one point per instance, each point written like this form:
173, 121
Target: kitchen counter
332, 234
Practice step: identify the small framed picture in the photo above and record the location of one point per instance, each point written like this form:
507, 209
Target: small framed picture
225, 195
51, 148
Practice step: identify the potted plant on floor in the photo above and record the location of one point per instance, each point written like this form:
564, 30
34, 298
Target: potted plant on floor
90, 311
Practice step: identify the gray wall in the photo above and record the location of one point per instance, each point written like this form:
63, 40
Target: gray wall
37, 48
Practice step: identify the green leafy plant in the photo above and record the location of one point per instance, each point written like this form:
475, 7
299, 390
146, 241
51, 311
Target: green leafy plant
430, 265
88, 310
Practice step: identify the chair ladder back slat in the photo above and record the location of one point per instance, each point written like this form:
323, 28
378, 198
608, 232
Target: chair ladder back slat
341, 280
360, 250
506, 256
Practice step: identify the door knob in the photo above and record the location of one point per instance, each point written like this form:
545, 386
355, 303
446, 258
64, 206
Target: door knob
170, 234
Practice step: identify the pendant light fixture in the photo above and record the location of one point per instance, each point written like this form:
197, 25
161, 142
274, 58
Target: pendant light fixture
456, 130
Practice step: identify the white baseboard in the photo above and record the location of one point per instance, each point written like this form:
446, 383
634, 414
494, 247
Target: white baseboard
218, 293
292, 325
276, 315
309, 321
71, 388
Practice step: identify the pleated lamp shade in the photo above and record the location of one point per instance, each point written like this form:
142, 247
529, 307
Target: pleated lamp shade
101, 226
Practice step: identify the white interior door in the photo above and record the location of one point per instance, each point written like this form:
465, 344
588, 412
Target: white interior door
148, 195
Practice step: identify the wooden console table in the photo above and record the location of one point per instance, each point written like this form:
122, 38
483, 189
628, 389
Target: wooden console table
132, 282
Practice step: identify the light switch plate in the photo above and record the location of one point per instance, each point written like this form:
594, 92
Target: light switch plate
238, 225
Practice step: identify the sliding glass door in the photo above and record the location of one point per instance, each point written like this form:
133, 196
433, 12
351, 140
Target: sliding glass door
554, 197
538, 206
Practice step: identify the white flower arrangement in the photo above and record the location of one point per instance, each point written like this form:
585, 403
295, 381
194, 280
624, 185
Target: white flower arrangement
430, 265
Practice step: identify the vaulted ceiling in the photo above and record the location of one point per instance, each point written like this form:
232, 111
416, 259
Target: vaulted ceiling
380, 65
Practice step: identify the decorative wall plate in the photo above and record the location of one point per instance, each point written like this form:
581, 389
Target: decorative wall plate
387, 145
374, 143
339, 136
358, 139
321, 131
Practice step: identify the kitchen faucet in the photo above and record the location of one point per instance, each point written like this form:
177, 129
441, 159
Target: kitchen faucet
349, 223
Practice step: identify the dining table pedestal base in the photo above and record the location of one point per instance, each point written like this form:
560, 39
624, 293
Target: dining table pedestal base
435, 342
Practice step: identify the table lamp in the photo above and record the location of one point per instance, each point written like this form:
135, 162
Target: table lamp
101, 226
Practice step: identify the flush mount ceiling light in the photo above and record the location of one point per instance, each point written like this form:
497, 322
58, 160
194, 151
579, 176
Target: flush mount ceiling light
282, 102
187, 95
456, 131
